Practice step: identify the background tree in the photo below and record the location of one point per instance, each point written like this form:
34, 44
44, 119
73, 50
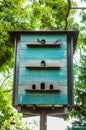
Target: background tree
34, 15
13, 16
37, 15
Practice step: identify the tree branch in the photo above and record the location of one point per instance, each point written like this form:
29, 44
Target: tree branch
7, 90
67, 14
5, 80
78, 7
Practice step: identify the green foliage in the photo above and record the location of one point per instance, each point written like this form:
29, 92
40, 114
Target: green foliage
7, 112
4, 107
80, 92
37, 15
24, 15
12, 17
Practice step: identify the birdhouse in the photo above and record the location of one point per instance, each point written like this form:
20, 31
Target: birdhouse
43, 69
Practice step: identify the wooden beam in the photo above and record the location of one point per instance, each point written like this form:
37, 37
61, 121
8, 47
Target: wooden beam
43, 120
78, 8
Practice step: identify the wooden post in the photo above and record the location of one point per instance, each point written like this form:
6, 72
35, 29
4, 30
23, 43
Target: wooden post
43, 120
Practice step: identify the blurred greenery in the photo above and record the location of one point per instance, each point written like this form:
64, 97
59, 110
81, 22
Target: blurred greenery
39, 15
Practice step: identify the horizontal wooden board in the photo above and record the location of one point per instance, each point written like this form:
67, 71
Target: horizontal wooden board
30, 45
43, 54
61, 80
47, 37
53, 63
27, 72
42, 98
22, 88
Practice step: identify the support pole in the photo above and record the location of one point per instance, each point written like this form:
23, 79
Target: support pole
43, 120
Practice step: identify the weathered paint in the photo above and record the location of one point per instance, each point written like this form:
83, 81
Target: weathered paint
43, 54
42, 98
53, 56
26, 79
62, 63
28, 88
30, 45
56, 73
47, 37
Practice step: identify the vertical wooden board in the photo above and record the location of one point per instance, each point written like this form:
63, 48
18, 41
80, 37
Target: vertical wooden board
42, 98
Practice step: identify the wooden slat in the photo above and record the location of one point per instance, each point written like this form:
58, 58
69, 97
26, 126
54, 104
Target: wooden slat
46, 67
43, 36
30, 45
43, 76
23, 88
60, 80
39, 90
42, 98
27, 72
54, 63
43, 45
43, 54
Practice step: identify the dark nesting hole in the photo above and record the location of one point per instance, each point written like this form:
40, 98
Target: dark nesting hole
42, 86
58, 42
43, 41
34, 86
43, 64
51, 86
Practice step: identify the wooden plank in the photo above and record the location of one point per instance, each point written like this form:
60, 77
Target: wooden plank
43, 36
54, 63
43, 76
42, 98
22, 88
70, 71
61, 80
43, 121
43, 91
43, 54
29, 45
43, 68
28, 72
43, 45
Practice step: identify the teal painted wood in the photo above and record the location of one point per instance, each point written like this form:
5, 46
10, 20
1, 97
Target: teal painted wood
43, 54
42, 98
79, 128
43, 36
52, 62
61, 80
23, 45
28, 77
23, 88
37, 73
